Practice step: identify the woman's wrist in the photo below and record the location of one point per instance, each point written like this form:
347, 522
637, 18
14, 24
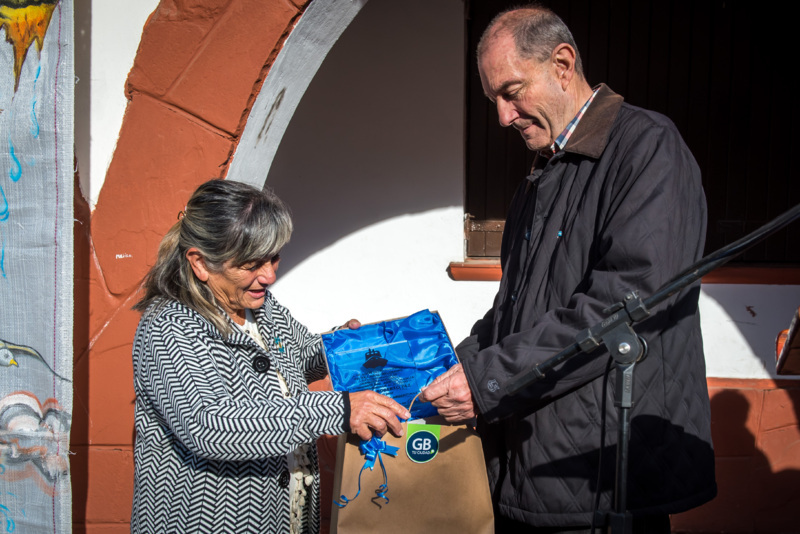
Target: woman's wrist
346, 399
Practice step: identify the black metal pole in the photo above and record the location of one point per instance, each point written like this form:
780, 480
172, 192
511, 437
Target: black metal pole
720, 257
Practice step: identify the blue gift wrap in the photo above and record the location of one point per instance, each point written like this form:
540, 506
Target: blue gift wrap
394, 358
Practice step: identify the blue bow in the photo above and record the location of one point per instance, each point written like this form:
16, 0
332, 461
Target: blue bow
372, 449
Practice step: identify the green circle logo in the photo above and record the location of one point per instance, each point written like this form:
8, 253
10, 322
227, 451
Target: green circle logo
422, 446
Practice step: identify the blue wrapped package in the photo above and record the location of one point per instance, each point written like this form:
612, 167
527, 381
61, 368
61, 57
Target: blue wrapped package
394, 358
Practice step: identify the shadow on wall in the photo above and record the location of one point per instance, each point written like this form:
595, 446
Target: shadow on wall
755, 430
757, 464
79, 435
83, 94
379, 132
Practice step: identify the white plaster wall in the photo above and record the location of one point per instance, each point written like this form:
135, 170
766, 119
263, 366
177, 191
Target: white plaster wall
107, 35
372, 165
740, 326
366, 276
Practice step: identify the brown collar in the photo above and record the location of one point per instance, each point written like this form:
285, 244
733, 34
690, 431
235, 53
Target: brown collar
591, 135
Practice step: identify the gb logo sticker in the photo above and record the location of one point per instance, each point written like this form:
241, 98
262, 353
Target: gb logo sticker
422, 444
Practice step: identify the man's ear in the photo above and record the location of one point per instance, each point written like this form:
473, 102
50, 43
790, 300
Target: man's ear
198, 264
563, 58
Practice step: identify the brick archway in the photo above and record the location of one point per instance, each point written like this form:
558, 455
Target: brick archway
204, 84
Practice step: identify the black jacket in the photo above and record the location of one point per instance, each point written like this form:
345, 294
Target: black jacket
620, 208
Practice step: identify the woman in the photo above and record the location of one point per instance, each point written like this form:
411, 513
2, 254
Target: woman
225, 423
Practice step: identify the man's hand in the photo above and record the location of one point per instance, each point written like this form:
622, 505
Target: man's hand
371, 413
451, 395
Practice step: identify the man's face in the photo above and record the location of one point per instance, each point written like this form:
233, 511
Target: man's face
527, 93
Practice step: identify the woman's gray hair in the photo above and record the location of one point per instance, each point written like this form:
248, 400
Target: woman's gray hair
227, 222
536, 30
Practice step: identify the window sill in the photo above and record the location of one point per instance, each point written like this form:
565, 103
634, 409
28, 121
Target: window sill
742, 274
475, 270
489, 271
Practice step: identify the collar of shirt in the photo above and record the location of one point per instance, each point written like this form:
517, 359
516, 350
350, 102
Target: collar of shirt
561, 140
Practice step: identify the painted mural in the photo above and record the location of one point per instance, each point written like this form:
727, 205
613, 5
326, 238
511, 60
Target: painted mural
36, 182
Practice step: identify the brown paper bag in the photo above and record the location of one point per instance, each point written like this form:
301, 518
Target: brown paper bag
449, 493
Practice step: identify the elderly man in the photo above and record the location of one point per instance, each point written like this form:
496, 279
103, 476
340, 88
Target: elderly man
614, 203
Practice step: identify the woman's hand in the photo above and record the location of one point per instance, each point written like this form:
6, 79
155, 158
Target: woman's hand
371, 413
352, 324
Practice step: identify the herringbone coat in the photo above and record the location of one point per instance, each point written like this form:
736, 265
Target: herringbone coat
212, 434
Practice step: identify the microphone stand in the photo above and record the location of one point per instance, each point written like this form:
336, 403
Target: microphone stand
627, 348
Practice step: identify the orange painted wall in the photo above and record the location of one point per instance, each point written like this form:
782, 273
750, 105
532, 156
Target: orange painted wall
196, 74
754, 425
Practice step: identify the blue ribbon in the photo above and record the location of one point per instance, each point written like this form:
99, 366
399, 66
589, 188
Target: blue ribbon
371, 449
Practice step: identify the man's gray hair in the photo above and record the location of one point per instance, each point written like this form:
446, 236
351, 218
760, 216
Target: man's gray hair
536, 30
227, 222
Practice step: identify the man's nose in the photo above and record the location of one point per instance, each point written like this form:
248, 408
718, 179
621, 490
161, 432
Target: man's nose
506, 113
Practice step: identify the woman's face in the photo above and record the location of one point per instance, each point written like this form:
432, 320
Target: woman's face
245, 286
